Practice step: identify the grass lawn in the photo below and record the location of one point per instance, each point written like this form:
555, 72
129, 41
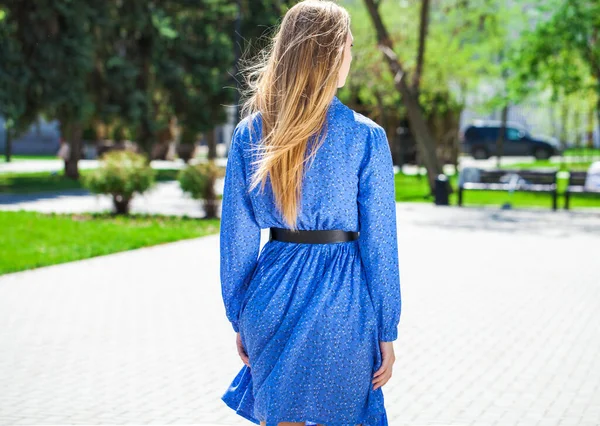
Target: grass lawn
566, 164
582, 152
415, 188
23, 183
28, 157
30, 240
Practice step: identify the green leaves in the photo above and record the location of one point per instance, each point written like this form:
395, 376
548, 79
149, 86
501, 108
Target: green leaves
163, 24
121, 173
198, 180
561, 53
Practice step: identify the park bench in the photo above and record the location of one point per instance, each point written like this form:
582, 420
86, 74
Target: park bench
508, 180
577, 186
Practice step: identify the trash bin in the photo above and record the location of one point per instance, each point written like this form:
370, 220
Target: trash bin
441, 190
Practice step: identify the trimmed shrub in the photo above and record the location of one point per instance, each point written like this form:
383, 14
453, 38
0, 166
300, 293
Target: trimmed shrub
121, 174
199, 181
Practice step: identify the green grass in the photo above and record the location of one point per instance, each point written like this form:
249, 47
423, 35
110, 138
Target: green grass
547, 164
30, 240
416, 189
583, 152
25, 183
28, 157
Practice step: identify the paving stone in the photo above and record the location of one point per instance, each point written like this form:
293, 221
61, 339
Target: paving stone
499, 327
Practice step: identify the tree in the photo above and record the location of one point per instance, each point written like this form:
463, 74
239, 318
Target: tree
409, 97
194, 63
563, 51
14, 83
49, 44
451, 45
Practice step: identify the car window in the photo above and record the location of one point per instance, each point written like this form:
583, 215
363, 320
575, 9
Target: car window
514, 134
491, 133
471, 133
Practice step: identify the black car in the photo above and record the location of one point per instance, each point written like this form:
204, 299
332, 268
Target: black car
480, 140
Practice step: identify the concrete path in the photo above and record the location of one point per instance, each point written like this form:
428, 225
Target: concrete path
57, 165
499, 327
165, 198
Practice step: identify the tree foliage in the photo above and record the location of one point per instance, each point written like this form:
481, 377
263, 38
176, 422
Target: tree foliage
562, 54
132, 64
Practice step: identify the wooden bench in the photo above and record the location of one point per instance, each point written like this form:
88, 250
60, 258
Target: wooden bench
491, 180
577, 186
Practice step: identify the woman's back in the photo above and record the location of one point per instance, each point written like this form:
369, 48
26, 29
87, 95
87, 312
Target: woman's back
330, 190
317, 309
306, 311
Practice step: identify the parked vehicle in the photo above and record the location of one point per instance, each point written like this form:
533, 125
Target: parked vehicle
480, 140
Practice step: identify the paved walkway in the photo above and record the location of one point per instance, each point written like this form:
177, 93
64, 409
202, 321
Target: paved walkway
56, 165
165, 198
499, 327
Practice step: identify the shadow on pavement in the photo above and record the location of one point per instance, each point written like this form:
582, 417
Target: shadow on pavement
519, 221
6, 199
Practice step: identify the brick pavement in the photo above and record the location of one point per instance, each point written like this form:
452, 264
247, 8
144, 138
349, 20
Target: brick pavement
499, 327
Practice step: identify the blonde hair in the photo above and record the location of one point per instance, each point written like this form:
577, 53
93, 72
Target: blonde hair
292, 86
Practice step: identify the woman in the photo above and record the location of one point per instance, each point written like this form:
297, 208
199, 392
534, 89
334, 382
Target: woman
317, 310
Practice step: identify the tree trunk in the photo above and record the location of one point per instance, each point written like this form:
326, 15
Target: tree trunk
210, 202
415, 114
74, 141
590, 129
121, 204
564, 124
554, 121
424, 25
393, 126
501, 135
210, 208
146, 138
381, 108
8, 145
576, 120
211, 142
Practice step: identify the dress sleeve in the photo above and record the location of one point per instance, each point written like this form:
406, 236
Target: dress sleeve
239, 232
378, 240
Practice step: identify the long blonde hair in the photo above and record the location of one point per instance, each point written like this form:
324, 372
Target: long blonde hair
291, 86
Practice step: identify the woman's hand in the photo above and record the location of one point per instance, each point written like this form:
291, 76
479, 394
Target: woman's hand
384, 373
242, 350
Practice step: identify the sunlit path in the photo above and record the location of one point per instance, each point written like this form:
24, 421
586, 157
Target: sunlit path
499, 327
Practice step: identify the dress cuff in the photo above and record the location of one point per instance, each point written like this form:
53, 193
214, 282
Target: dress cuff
388, 335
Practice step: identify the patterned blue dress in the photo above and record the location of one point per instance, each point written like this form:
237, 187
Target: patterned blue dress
311, 316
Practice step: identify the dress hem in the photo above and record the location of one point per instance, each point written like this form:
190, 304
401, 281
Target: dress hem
239, 398
382, 420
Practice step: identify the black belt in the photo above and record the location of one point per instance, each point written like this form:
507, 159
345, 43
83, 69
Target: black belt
317, 236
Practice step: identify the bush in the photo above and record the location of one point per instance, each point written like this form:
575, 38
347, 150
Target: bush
121, 174
199, 181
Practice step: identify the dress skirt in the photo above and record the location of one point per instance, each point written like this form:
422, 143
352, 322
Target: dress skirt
309, 327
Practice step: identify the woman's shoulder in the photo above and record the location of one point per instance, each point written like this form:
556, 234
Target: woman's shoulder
353, 119
249, 127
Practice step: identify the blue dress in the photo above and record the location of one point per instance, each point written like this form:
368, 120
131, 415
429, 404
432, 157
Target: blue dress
311, 316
